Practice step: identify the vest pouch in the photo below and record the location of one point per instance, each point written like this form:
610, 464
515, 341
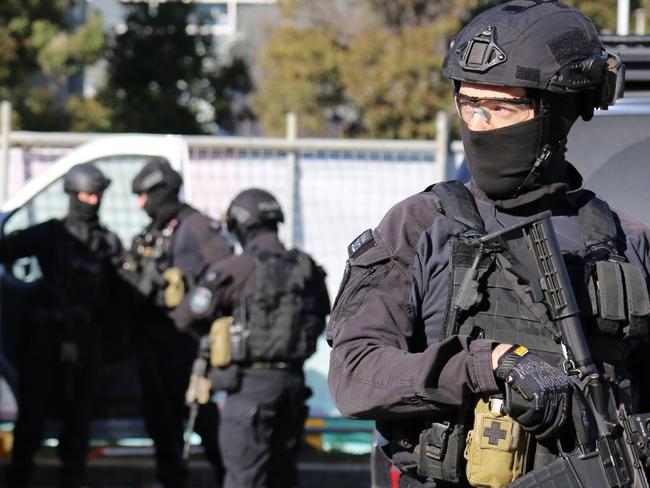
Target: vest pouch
174, 287
611, 297
638, 302
440, 452
497, 447
220, 342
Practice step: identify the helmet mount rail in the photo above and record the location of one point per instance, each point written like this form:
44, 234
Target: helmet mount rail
482, 52
605, 71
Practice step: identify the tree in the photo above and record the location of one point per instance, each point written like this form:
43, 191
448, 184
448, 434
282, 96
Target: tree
301, 74
394, 82
372, 69
41, 47
164, 78
602, 12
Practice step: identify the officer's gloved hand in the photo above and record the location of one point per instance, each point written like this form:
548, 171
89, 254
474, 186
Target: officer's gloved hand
547, 390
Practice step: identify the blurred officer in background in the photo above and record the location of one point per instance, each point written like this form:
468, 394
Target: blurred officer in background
279, 302
408, 352
165, 258
60, 345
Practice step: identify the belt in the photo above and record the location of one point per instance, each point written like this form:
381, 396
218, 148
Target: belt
274, 365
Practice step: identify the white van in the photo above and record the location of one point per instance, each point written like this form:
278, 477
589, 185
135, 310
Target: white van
120, 157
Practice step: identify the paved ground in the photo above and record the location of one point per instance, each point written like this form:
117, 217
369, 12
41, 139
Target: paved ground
137, 473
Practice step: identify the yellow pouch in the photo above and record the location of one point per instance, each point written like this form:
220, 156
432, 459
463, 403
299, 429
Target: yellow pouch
496, 448
220, 342
175, 289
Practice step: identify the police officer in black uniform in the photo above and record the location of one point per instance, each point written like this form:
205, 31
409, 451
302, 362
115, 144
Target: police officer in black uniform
279, 302
523, 71
166, 257
60, 349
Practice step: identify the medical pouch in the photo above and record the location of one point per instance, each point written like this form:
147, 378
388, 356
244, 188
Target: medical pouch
496, 448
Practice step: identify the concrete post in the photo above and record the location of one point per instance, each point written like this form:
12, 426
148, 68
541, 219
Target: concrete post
442, 147
5, 132
623, 17
292, 182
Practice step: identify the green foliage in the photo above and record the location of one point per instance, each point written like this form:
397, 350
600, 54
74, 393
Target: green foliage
37, 37
87, 115
371, 72
300, 74
63, 53
374, 71
602, 12
162, 79
394, 82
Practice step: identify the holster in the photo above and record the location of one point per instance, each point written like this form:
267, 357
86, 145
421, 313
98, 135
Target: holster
226, 379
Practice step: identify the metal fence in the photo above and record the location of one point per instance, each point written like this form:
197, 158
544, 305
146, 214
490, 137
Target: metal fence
331, 189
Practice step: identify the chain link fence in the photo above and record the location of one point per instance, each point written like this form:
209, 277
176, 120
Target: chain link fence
331, 190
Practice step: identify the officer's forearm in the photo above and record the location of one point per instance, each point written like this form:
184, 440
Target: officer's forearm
378, 381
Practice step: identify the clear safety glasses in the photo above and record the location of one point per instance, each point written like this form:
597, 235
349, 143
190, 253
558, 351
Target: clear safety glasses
496, 112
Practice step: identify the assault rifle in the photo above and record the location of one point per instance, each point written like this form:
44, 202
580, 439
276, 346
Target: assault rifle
613, 447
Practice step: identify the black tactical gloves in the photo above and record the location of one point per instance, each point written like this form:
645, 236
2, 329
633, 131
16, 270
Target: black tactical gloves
546, 389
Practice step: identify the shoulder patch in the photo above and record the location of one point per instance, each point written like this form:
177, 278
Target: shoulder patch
361, 244
200, 300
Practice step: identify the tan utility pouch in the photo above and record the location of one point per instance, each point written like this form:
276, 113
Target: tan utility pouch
496, 448
220, 342
175, 288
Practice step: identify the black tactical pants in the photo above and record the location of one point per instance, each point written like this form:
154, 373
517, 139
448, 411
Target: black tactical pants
262, 429
165, 364
48, 388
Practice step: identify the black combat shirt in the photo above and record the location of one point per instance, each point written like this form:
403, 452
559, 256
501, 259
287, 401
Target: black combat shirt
381, 365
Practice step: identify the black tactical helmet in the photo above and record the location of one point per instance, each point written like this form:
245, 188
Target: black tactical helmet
539, 44
156, 173
85, 177
253, 207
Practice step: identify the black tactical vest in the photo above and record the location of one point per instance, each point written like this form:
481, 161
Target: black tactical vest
612, 295
611, 292
277, 318
152, 254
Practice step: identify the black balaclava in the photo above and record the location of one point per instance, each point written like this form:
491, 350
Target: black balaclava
245, 234
162, 204
83, 212
516, 164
